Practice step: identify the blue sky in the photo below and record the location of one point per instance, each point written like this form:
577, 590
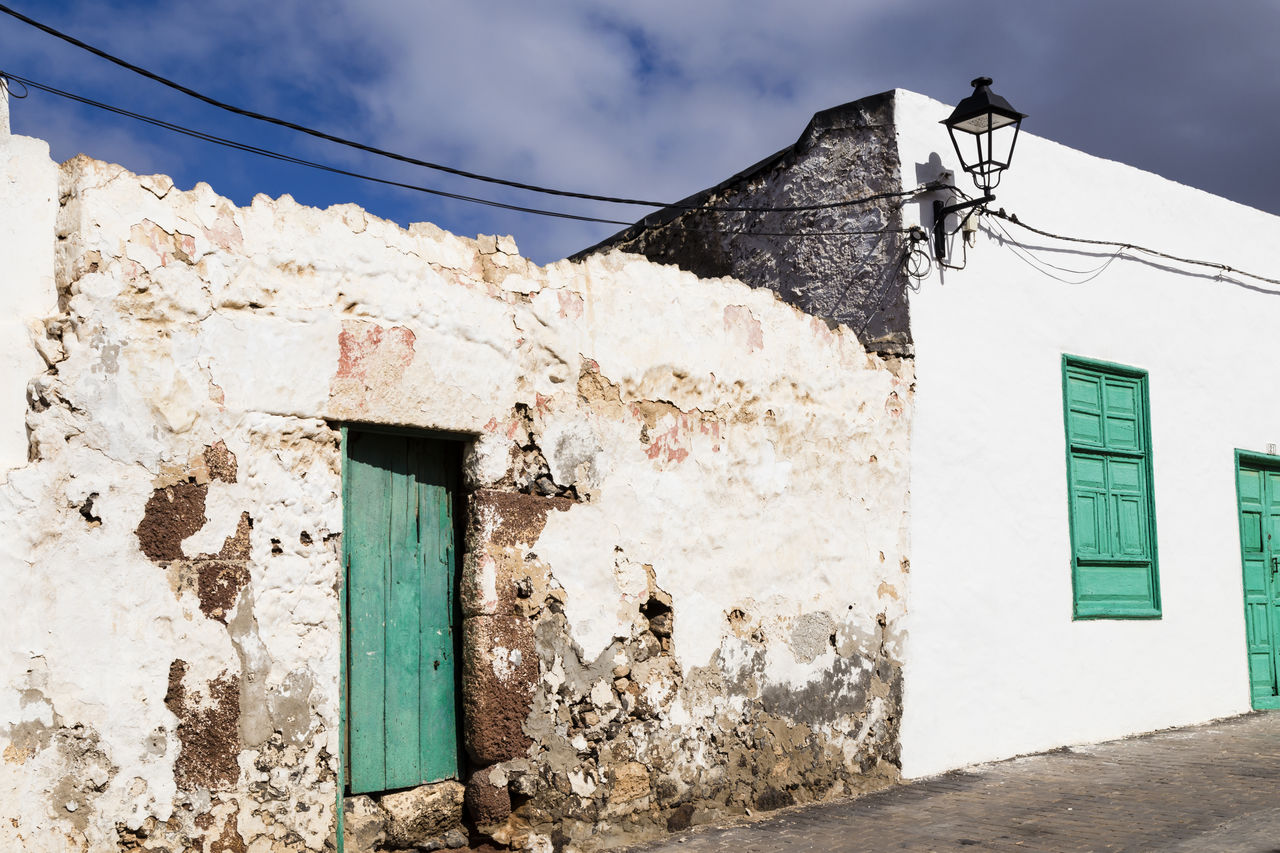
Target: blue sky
656, 99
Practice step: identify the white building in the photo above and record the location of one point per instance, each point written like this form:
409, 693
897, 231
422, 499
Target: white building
715, 550
1019, 637
999, 661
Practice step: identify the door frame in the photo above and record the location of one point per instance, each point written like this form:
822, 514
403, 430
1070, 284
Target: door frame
459, 522
1264, 462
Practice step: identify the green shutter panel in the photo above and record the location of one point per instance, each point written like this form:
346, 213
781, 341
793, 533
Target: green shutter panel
399, 543
1109, 475
1090, 504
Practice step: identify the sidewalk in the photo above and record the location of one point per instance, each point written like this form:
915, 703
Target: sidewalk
1213, 788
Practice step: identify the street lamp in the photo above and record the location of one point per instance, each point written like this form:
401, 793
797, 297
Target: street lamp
985, 127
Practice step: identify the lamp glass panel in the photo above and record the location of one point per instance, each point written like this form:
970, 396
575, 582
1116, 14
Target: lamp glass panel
975, 163
1002, 145
984, 121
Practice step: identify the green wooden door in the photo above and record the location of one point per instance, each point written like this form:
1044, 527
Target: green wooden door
398, 498
1259, 491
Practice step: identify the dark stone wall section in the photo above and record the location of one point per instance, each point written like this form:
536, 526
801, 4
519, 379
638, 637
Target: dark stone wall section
812, 259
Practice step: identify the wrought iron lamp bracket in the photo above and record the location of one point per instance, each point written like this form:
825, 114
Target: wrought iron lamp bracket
941, 211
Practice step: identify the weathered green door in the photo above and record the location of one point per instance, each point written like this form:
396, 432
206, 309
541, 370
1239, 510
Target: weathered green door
1259, 491
398, 497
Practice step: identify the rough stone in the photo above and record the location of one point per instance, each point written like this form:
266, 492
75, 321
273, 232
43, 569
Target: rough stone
364, 823
681, 818
810, 636
513, 519
423, 814
172, 514
208, 729
628, 782
500, 674
488, 802
845, 152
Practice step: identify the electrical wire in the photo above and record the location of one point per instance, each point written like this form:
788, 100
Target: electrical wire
1040, 259
414, 161
745, 233
7, 90
1122, 246
1031, 259
287, 158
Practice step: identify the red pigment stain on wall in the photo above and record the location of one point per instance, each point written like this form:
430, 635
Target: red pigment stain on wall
224, 233
570, 305
666, 446
156, 239
822, 331
712, 429
371, 360
167, 247
510, 427
744, 327
359, 354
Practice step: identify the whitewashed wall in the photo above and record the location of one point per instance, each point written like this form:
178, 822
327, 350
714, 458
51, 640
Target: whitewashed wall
28, 205
995, 664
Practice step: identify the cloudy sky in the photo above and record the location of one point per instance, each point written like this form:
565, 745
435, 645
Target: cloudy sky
655, 99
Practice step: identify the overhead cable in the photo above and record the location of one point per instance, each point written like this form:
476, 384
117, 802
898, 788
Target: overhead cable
287, 158
1025, 254
1222, 268
414, 161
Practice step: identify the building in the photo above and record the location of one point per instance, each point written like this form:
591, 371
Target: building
300, 507
1077, 576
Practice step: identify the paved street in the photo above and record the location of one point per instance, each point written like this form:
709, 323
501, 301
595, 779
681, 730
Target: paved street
1213, 788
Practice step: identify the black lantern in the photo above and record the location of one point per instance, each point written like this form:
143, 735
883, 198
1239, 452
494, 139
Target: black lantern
983, 129
986, 127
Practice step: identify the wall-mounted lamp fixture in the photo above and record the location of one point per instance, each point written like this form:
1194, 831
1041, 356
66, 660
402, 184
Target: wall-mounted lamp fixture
986, 127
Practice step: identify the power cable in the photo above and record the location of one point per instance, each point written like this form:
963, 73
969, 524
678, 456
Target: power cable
287, 158
360, 146
1033, 260
275, 155
1222, 268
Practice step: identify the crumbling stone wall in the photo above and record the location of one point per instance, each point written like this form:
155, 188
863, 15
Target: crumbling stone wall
842, 262
684, 563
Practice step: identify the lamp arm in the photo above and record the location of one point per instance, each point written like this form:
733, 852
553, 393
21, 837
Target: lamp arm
941, 212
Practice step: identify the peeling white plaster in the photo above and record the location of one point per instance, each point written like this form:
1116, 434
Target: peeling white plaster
28, 206
720, 471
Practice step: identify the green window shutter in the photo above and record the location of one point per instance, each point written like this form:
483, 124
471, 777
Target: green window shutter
1114, 570
399, 494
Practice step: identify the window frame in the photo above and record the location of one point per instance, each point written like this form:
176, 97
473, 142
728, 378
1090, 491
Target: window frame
1102, 369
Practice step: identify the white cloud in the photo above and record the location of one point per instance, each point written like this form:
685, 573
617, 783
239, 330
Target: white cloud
655, 99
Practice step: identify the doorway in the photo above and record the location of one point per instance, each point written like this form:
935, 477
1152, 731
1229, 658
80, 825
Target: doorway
1258, 491
400, 510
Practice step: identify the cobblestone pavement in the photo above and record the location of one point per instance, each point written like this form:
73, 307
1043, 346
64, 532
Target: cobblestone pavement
1213, 788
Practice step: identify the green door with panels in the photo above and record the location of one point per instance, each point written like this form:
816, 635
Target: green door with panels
1259, 492
398, 505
